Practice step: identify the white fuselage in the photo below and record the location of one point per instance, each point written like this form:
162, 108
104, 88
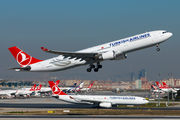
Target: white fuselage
168, 90
7, 92
24, 91
113, 100
122, 46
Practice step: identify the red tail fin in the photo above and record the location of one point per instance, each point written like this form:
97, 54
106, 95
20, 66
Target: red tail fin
90, 85
154, 87
159, 85
39, 87
22, 58
55, 89
165, 85
33, 88
57, 82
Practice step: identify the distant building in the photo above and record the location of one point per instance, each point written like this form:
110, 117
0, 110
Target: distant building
142, 73
132, 77
138, 84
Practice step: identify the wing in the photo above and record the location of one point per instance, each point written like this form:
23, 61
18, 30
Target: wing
89, 100
76, 55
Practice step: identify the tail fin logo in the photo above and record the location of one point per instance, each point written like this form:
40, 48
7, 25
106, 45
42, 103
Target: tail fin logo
23, 59
55, 89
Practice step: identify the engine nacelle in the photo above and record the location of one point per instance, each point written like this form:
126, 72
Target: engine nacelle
107, 105
112, 55
108, 55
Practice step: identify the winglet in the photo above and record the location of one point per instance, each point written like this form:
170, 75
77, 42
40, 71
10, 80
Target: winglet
44, 49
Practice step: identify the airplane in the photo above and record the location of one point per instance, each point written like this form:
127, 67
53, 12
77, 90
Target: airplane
68, 88
86, 89
173, 89
115, 50
26, 92
73, 89
96, 100
8, 92
164, 88
155, 90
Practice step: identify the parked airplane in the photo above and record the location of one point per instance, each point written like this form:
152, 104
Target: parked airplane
8, 92
164, 89
155, 90
73, 89
26, 92
97, 100
173, 89
86, 89
116, 50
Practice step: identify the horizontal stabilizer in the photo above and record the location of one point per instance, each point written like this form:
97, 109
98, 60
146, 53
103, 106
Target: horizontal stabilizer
27, 68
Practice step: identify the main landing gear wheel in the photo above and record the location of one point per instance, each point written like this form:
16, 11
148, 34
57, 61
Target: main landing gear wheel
158, 49
96, 69
99, 66
88, 69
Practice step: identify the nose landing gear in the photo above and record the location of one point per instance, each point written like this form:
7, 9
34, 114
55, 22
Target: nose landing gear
158, 49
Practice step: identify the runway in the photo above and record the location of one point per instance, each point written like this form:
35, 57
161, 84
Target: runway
89, 117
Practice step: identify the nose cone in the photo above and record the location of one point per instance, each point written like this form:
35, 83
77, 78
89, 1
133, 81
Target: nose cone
146, 101
169, 34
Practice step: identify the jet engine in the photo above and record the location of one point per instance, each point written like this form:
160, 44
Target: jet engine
107, 105
113, 55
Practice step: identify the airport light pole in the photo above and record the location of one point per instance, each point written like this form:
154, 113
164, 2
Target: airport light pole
168, 96
159, 92
159, 98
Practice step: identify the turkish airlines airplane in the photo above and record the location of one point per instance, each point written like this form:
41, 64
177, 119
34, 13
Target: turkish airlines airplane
164, 88
27, 92
173, 89
97, 100
8, 92
115, 50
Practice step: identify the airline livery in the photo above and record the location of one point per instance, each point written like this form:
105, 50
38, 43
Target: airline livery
96, 100
116, 50
165, 88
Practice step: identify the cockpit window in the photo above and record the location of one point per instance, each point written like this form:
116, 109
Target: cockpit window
163, 32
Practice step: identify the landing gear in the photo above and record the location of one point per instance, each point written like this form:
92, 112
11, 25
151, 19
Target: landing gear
158, 49
88, 69
96, 69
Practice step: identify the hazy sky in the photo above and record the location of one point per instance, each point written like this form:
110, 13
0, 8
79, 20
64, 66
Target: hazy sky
70, 25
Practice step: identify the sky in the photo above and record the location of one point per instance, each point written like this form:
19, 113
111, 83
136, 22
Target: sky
68, 25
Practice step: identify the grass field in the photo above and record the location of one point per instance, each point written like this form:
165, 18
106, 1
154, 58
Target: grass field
100, 112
